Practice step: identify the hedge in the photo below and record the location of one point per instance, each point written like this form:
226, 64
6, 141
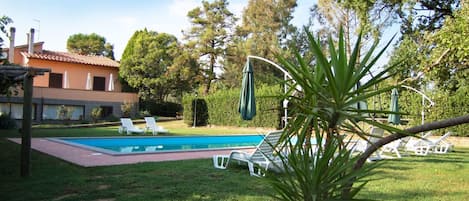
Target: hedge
221, 108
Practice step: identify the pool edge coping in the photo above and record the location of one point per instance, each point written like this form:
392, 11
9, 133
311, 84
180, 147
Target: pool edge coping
87, 158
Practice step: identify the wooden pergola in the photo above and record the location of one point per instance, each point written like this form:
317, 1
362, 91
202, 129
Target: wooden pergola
25, 74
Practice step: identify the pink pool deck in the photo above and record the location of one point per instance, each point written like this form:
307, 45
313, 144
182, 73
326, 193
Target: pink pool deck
88, 158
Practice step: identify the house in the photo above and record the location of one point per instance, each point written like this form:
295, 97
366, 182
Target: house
75, 86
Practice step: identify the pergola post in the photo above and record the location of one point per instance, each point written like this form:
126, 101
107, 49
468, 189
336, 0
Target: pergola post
27, 123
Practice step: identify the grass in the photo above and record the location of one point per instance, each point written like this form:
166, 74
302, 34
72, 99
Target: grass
434, 177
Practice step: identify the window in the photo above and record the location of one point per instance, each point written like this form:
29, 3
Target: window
99, 83
15, 110
62, 112
107, 111
55, 80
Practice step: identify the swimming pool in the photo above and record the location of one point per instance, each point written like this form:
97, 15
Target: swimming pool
137, 145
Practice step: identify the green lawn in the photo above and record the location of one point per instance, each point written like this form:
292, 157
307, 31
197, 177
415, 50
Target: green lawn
435, 177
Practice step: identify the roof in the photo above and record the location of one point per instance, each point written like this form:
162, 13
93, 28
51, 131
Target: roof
72, 58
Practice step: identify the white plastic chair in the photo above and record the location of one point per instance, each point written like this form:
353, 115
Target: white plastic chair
392, 148
439, 145
128, 127
151, 126
258, 161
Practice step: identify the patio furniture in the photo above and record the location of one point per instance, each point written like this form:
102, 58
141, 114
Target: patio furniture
392, 148
412, 141
151, 126
261, 159
128, 127
439, 145
361, 145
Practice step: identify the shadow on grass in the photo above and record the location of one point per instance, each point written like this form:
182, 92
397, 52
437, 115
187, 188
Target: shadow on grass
53, 179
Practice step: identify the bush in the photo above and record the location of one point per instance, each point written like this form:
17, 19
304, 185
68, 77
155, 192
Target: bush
6, 122
222, 108
126, 109
165, 109
96, 113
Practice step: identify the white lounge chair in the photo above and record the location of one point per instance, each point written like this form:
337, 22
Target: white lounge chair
128, 127
258, 161
392, 148
151, 126
361, 145
413, 141
439, 145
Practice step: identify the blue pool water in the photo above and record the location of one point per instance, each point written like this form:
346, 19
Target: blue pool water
126, 145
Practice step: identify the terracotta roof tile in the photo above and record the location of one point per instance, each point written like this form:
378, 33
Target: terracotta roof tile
73, 58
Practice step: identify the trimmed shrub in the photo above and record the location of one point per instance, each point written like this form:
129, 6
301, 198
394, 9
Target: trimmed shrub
222, 108
164, 109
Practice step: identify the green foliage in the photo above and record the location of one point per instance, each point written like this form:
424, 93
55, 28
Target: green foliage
438, 61
126, 109
96, 113
6, 122
90, 44
184, 74
4, 21
448, 105
264, 32
165, 109
449, 57
145, 63
322, 176
222, 108
209, 35
325, 96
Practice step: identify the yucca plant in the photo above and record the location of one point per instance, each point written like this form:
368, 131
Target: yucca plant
325, 95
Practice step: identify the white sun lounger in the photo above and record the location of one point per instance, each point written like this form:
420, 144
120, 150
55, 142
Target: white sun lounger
261, 159
128, 127
152, 127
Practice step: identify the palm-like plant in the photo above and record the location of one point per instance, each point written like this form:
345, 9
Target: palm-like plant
325, 96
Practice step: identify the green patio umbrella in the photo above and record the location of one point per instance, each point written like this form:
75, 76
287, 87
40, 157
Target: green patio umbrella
247, 100
394, 118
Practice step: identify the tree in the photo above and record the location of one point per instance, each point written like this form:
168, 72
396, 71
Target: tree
264, 32
90, 44
448, 61
183, 74
8, 86
210, 32
4, 21
325, 96
145, 63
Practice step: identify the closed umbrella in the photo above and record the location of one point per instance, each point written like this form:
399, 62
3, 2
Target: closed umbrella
247, 101
394, 118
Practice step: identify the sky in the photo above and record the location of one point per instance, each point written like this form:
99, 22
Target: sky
56, 20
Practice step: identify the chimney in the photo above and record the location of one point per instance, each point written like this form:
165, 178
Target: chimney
11, 51
31, 42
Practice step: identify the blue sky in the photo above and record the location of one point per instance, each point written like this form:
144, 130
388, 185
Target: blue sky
56, 20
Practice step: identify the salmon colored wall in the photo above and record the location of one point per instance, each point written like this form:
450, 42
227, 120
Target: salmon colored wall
86, 95
76, 73
24, 48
